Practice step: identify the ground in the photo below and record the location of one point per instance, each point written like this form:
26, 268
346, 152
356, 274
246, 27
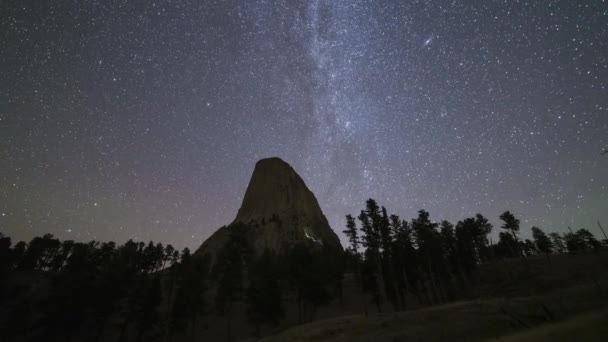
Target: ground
562, 298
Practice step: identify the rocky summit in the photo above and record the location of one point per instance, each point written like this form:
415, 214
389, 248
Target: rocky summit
278, 210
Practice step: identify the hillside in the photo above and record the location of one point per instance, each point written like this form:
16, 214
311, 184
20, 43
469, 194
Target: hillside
476, 320
519, 300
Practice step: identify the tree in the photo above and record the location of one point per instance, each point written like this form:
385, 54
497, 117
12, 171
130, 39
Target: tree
352, 234
61, 256
370, 226
369, 279
482, 228
431, 260
171, 256
179, 313
17, 253
371, 263
264, 291
311, 275
581, 240
386, 233
40, 253
511, 225
587, 238
466, 251
230, 269
558, 243
541, 240
507, 245
141, 261
386, 242
5, 261
449, 244
146, 314
574, 243
64, 308
404, 257
192, 284
528, 247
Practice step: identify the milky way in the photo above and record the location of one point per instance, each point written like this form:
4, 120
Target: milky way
144, 119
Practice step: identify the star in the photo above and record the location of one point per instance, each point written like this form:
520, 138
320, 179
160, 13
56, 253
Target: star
432, 107
427, 41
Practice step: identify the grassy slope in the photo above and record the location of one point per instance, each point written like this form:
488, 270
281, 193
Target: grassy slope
585, 327
463, 321
535, 297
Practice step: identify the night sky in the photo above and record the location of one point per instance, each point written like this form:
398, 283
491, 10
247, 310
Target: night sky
143, 119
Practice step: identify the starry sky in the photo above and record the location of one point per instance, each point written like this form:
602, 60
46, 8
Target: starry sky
144, 119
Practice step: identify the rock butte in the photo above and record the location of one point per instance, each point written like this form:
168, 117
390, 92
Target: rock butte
279, 209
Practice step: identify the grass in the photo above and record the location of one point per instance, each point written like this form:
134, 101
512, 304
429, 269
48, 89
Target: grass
477, 320
585, 327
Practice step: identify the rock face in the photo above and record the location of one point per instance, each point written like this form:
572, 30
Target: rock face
279, 210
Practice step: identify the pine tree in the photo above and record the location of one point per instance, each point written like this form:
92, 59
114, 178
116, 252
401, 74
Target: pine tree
448, 244
352, 234
507, 245
466, 250
511, 225
192, 285
404, 259
587, 238
430, 254
482, 229
231, 268
311, 275
373, 280
264, 292
542, 241
558, 243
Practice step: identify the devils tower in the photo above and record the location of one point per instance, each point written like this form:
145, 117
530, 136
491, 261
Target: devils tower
279, 211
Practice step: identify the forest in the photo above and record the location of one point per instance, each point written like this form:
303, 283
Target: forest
63, 290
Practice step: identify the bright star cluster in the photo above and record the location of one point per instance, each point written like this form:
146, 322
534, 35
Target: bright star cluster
124, 119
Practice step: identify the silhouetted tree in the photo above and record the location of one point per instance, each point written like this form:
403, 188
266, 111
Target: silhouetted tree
352, 234
141, 261
171, 257
507, 245
588, 240
5, 262
541, 240
192, 285
309, 273
431, 260
528, 247
482, 229
17, 253
557, 241
404, 259
264, 291
466, 250
386, 242
147, 317
64, 309
230, 269
40, 253
581, 240
511, 225
371, 240
449, 243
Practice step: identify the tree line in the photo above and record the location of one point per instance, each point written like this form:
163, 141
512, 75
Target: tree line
396, 259
82, 286
138, 291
